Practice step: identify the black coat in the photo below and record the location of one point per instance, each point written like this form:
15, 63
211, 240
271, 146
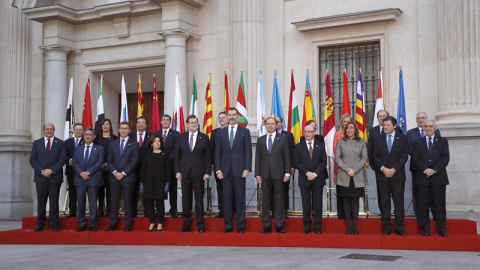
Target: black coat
195, 163
437, 161
397, 157
276, 163
155, 172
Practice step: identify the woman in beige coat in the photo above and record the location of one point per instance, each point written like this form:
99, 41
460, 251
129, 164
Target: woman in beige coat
351, 156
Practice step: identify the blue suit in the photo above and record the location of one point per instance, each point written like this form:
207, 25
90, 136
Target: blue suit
93, 166
232, 161
48, 187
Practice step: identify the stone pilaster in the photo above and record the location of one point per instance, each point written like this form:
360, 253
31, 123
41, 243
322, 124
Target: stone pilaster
15, 144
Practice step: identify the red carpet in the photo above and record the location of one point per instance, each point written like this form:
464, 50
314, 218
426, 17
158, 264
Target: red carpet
462, 235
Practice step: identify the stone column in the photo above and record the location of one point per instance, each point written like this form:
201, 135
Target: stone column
56, 87
459, 62
175, 63
15, 144
459, 99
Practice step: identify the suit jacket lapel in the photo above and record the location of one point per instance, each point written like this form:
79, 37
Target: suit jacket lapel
237, 134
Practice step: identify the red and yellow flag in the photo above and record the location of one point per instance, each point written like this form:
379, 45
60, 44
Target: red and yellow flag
226, 98
329, 119
208, 123
140, 109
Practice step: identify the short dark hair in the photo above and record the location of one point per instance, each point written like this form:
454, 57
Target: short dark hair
78, 124
271, 117
222, 113
152, 140
391, 119
383, 111
142, 117
233, 109
356, 136
89, 129
309, 122
191, 117
167, 116
124, 123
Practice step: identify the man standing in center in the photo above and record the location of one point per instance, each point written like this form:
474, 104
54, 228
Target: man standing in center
193, 167
223, 122
233, 162
272, 170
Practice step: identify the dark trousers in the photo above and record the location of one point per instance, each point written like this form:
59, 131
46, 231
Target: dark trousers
173, 193
72, 195
219, 194
47, 191
104, 194
190, 186
136, 193
82, 192
116, 189
150, 210
234, 189
286, 189
437, 193
416, 199
387, 190
312, 197
351, 206
273, 191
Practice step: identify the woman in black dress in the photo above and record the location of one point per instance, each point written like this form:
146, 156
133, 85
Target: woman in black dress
155, 175
103, 138
351, 157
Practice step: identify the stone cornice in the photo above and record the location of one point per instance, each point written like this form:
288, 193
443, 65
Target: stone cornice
57, 48
383, 15
195, 3
97, 13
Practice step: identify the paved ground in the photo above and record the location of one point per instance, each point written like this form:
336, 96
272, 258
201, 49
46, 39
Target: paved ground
173, 257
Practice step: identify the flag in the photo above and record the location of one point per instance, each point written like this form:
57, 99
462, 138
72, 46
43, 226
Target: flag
155, 122
293, 115
226, 98
87, 107
178, 120
277, 109
140, 108
208, 122
360, 109
124, 109
308, 109
241, 106
193, 102
346, 98
260, 107
69, 117
401, 113
379, 104
100, 109
329, 119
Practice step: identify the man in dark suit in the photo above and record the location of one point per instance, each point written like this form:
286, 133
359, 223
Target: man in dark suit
141, 135
413, 135
272, 170
374, 135
87, 163
310, 161
71, 144
223, 122
169, 137
318, 138
291, 149
390, 155
233, 162
47, 158
122, 160
431, 156
193, 167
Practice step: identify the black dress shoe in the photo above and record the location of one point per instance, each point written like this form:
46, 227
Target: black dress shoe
426, 233
266, 230
387, 232
241, 230
305, 231
201, 230
80, 229
280, 230
401, 233
184, 230
355, 231
219, 215
71, 215
55, 229
443, 234
92, 229
173, 214
38, 228
227, 230
318, 232
110, 228
128, 228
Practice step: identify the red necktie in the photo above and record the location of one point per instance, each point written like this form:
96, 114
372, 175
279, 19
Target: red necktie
47, 149
310, 149
140, 141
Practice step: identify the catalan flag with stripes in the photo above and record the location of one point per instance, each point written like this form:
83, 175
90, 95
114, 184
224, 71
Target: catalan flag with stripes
140, 108
208, 123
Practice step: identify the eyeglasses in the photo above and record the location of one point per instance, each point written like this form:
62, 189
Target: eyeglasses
309, 131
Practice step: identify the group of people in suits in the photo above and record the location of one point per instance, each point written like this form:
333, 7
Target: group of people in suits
149, 164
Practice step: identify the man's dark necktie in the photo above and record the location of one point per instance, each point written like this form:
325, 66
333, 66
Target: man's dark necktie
191, 143
270, 143
430, 145
389, 143
140, 141
87, 153
310, 149
164, 136
231, 138
47, 149
122, 146
76, 143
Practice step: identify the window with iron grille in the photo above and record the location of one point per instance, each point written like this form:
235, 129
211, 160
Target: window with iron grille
352, 57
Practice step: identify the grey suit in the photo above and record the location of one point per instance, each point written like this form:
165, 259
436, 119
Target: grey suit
351, 154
